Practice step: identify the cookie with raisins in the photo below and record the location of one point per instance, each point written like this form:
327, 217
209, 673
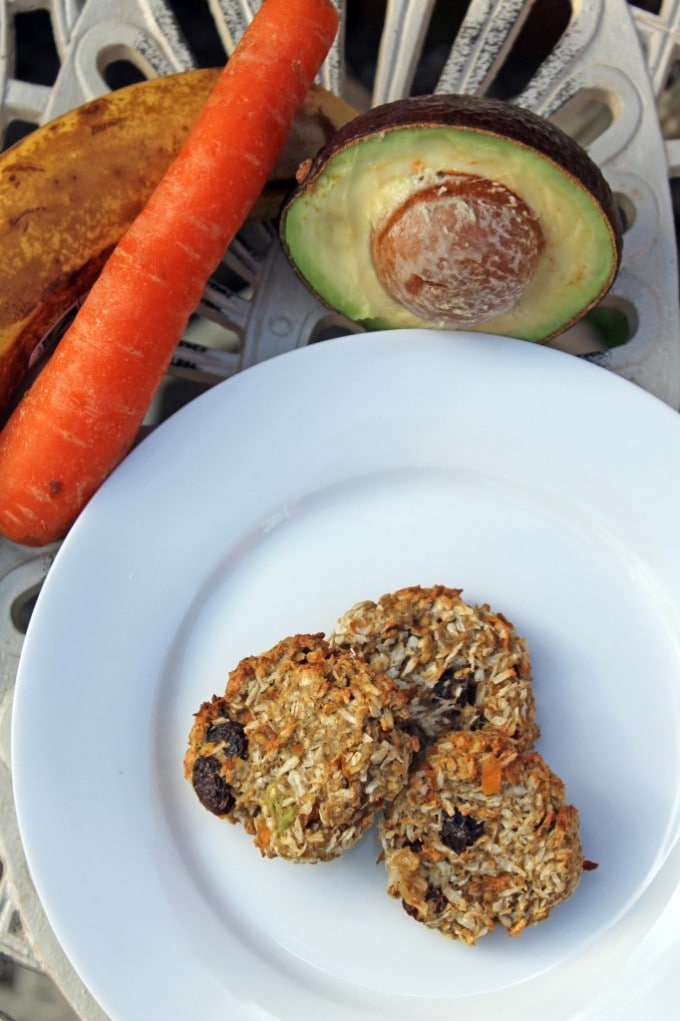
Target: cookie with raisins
462, 666
304, 747
481, 836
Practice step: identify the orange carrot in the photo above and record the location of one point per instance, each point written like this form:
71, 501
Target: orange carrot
492, 775
83, 412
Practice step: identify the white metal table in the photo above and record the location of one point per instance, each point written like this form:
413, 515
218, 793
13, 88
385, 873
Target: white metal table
605, 70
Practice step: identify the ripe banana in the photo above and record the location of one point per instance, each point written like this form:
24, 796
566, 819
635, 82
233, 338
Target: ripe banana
69, 190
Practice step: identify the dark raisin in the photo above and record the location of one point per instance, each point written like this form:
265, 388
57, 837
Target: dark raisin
232, 736
415, 845
411, 728
411, 910
460, 831
212, 789
437, 898
461, 691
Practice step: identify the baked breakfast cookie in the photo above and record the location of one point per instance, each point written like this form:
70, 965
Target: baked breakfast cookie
480, 836
303, 748
462, 666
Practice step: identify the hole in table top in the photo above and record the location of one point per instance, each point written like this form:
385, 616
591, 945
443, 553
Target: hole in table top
585, 116
444, 26
668, 102
15, 131
200, 32
330, 327
22, 608
611, 324
615, 321
539, 35
627, 210
675, 200
364, 24
121, 73
120, 65
37, 59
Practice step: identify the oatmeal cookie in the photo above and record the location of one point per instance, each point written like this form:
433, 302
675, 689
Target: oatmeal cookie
462, 666
480, 836
303, 748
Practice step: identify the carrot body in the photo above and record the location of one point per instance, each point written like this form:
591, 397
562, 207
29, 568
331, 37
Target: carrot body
83, 412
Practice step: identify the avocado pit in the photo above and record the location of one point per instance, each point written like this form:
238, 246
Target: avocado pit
458, 252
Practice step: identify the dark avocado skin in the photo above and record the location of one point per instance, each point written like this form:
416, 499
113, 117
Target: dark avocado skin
493, 117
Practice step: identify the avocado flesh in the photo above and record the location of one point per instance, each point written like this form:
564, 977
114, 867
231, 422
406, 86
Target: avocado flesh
327, 226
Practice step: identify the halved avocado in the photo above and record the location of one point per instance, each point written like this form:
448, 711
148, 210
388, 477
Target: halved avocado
454, 211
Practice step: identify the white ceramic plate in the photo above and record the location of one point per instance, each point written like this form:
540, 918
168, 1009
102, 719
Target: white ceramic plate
534, 481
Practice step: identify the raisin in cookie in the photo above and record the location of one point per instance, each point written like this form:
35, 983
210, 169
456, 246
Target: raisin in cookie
303, 748
462, 666
480, 836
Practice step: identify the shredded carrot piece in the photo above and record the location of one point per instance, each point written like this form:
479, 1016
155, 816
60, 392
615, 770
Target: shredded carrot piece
492, 775
432, 854
263, 834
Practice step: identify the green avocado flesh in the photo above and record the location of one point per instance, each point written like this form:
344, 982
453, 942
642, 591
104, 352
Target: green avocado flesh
327, 226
